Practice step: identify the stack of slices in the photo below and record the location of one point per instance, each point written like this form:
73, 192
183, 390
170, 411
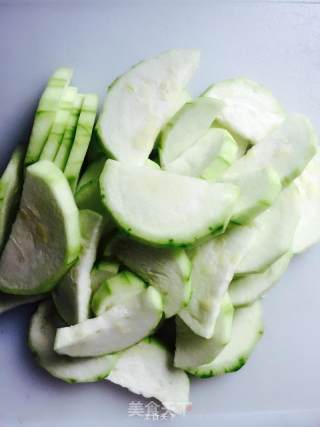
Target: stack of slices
151, 244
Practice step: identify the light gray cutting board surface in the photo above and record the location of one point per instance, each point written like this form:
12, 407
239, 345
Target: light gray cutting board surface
276, 43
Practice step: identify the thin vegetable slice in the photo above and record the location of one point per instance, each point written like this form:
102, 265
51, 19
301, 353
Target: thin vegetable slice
163, 208
88, 197
258, 191
45, 237
88, 190
147, 369
116, 329
139, 103
73, 293
208, 157
213, 266
193, 350
71, 370
92, 173
10, 191
185, 128
308, 185
59, 125
116, 290
46, 112
250, 110
287, 149
274, 232
102, 271
66, 144
168, 270
248, 289
247, 330
81, 140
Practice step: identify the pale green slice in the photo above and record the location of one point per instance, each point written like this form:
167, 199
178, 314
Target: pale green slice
308, 185
116, 290
242, 143
168, 270
88, 190
247, 329
92, 173
274, 232
59, 125
258, 191
82, 139
66, 144
73, 293
185, 128
208, 157
192, 350
250, 110
147, 369
45, 237
71, 370
213, 266
140, 102
248, 289
10, 191
116, 329
89, 197
46, 112
162, 208
287, 149
102, 271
